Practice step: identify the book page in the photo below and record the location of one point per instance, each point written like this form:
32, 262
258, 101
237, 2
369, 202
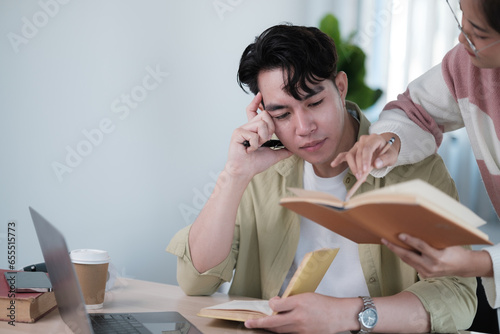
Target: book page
261, 306
311, 271
314, 197
306, 279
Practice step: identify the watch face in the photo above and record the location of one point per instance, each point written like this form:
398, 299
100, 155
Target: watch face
369, 318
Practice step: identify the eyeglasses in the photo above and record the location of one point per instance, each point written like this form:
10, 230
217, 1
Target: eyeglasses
472, 46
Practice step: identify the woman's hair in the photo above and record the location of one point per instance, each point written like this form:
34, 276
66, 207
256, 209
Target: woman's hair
491, 12
305, 54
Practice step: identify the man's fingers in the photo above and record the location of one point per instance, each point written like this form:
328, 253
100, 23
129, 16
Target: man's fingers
273, 323
263, 130
249, 139
263, 127
254, 106
278, 322
281, 304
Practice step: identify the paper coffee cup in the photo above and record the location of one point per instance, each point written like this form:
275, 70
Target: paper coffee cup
91, 267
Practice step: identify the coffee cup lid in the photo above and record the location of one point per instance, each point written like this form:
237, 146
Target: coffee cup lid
89, 256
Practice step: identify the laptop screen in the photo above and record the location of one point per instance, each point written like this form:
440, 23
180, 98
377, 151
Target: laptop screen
62, 275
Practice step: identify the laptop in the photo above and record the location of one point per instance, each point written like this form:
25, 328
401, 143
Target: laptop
70, 299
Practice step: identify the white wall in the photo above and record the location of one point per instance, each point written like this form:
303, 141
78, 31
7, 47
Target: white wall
67, 67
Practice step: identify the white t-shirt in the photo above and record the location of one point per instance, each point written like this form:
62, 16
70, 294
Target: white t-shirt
345, 277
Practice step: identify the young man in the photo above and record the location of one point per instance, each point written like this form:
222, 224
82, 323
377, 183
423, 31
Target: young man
243, 234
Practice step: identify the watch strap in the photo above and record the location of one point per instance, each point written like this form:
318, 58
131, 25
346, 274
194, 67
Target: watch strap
367, 304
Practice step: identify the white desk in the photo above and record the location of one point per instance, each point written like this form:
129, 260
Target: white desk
130, 295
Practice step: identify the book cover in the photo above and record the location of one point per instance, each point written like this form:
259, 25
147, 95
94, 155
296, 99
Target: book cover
305, 279
413, 207
29, 281
22, 306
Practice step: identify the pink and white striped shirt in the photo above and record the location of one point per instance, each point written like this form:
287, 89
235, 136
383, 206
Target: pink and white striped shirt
450, 96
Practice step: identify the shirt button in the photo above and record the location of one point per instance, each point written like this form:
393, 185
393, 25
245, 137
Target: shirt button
372, 280
348, 180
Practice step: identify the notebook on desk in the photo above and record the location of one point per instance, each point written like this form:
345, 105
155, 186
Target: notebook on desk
70, 299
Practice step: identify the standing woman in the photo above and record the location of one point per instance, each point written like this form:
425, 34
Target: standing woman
463, 91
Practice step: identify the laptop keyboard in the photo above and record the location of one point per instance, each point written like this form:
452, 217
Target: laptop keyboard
116, 323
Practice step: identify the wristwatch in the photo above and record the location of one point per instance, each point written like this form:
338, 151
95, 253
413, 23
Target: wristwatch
368, 316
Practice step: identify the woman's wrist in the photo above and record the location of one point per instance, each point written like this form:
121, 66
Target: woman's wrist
478, 264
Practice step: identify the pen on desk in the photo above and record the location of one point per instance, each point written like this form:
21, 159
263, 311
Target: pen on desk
361, 180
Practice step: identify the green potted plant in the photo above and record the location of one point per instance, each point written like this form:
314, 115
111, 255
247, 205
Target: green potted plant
352, 62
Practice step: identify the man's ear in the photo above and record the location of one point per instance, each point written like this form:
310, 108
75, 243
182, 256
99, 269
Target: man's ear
341, 82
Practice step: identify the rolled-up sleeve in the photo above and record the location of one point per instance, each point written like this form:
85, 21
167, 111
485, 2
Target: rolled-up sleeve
450, 301
490, 284
190, 280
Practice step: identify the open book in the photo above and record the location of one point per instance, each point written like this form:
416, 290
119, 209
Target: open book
305, 279
413, 207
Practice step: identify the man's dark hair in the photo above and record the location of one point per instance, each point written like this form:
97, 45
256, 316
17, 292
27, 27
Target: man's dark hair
305, 54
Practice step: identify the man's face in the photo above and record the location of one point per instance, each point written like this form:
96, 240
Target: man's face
312, 128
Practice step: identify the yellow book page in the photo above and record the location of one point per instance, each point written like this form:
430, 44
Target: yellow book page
311, 271
306, 279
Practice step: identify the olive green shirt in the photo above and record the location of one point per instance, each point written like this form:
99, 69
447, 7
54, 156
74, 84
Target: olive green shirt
266, 236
